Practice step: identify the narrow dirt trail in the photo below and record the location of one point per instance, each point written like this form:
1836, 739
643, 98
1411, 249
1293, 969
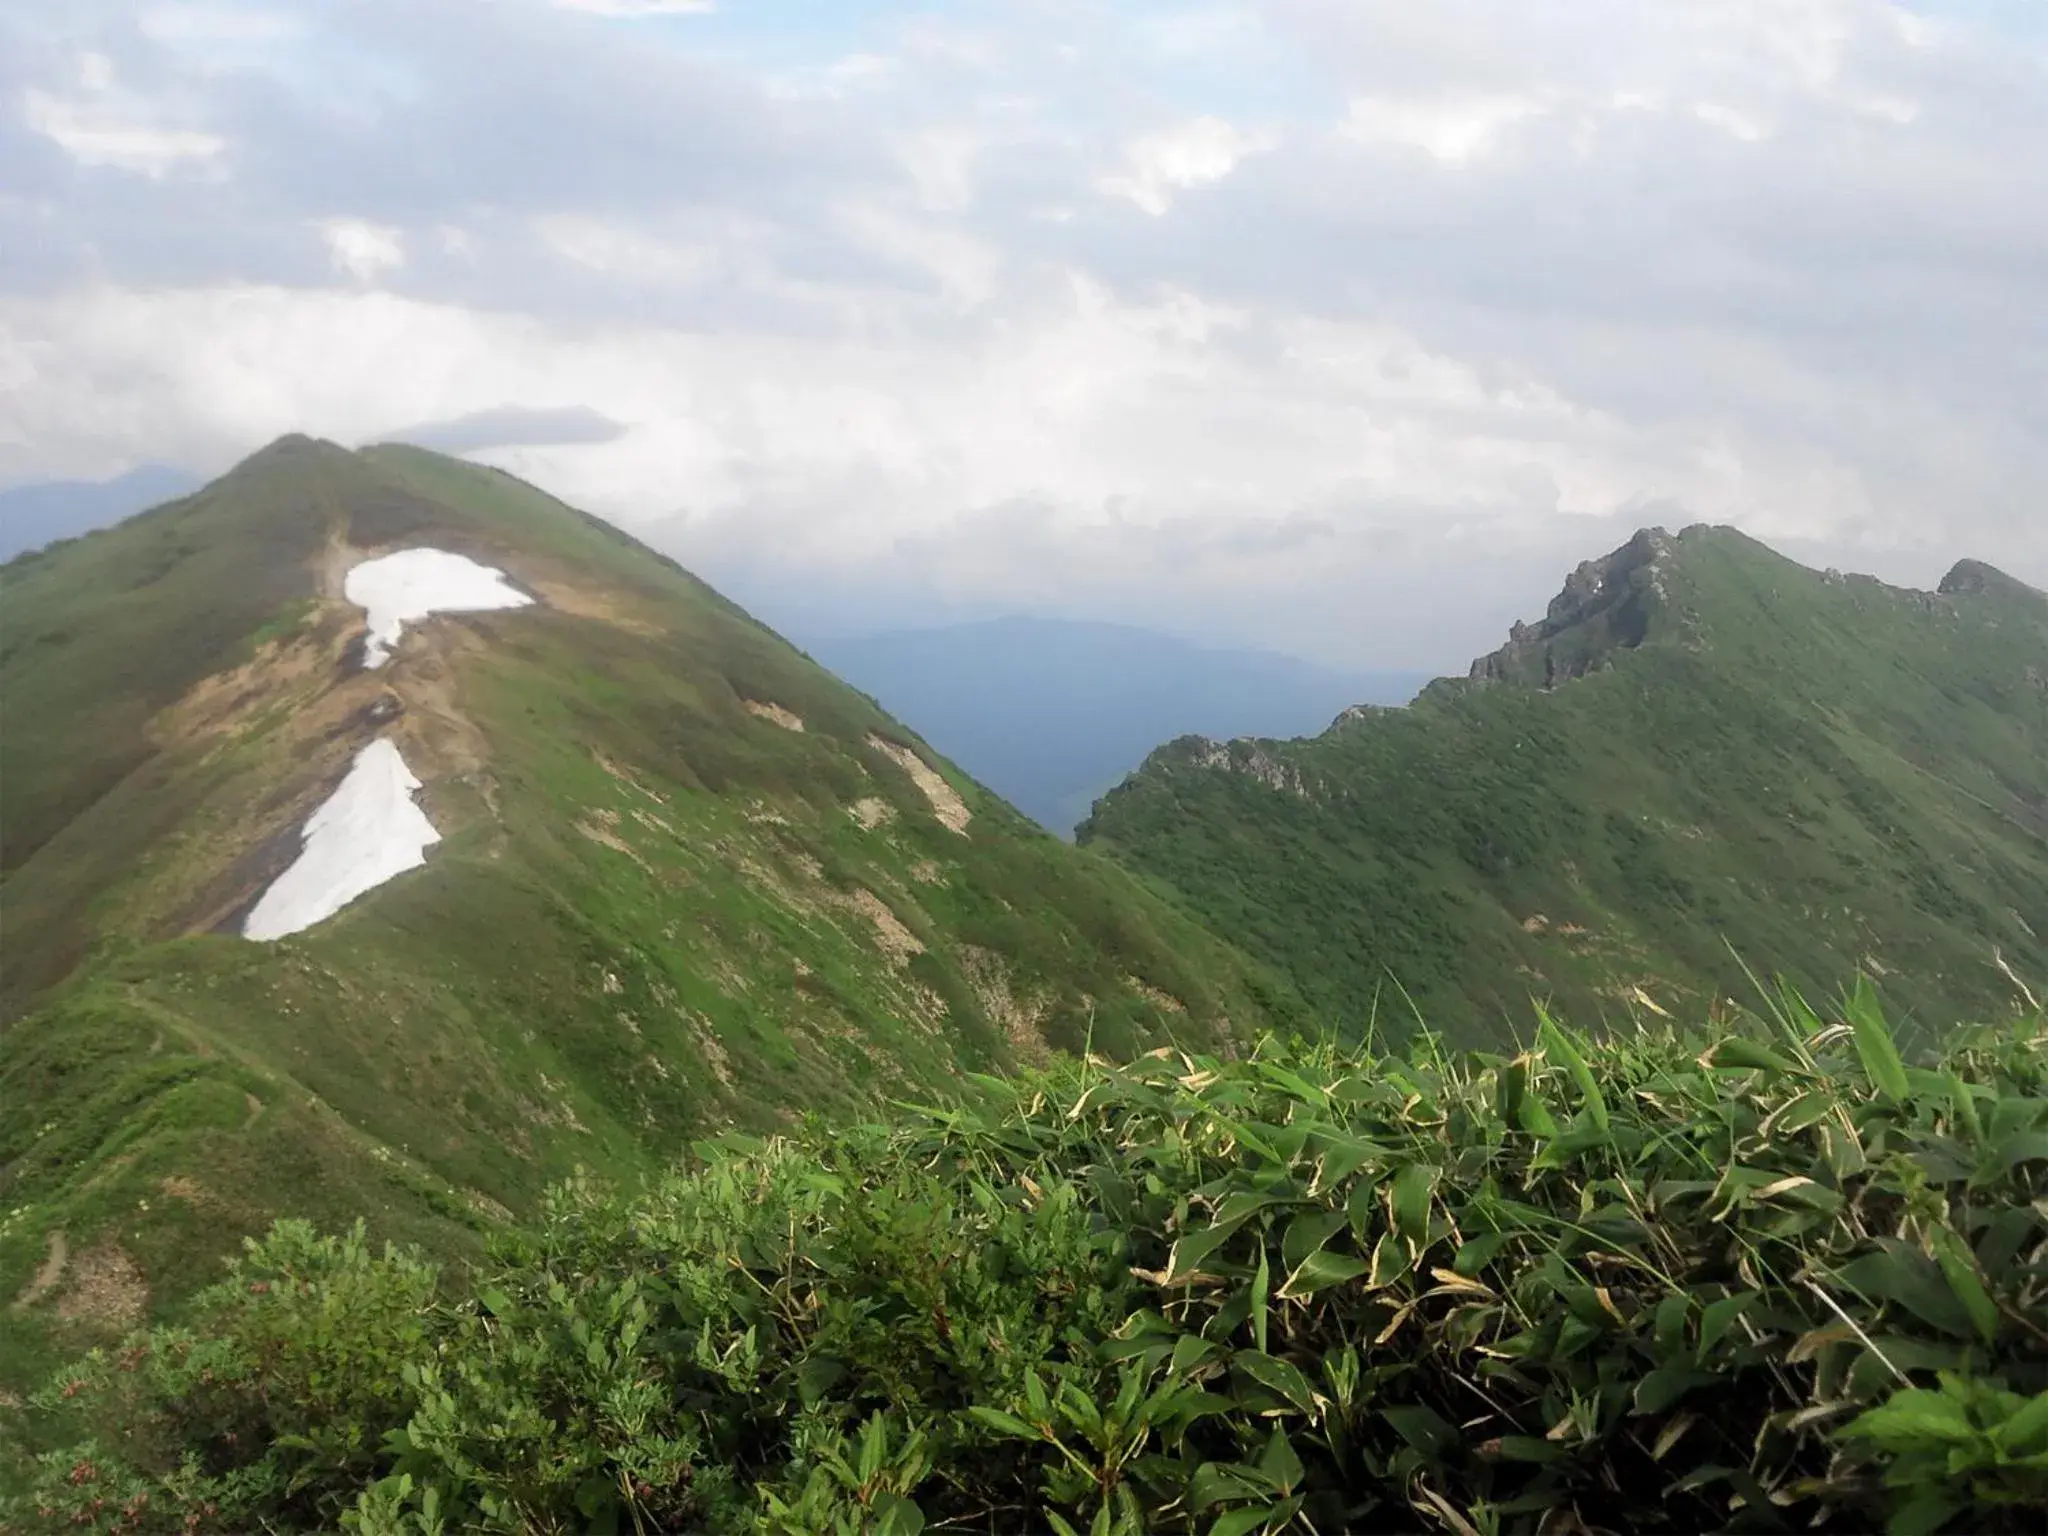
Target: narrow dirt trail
47, 1276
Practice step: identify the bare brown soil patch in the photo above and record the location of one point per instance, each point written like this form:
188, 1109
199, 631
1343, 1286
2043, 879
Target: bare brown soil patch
485, 1206
871, 811
891, 936
715, 1056
106, 1288
281, 671
1018, 1017
624, 776
1157, 997
433, 732
179, 1187
335, 560
601, 826
771, 884
946, 802
583, 602
789, 720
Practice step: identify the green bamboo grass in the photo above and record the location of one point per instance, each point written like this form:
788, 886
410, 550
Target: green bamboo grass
1766, 1280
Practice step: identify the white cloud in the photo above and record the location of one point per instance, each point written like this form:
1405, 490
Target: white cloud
635, 8
219, 37
1196, 153
940, 162
965, 270
1730, 121
1452, 128
1424, 292
1110, 410
99, 124
361, 249
626, 254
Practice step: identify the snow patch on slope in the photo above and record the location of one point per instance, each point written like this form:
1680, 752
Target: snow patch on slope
368, 831
405, 587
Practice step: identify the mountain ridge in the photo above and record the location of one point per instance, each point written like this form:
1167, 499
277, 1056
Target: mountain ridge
1701, 746
684, 880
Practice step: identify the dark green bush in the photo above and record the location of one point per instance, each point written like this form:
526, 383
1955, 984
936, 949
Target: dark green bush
1770, 1281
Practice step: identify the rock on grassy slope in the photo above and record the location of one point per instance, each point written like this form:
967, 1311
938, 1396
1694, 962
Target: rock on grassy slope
685, 879
1703, 752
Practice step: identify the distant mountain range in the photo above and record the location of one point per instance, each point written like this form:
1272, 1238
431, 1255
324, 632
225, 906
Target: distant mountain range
1704, 757
41, 513
1052, 713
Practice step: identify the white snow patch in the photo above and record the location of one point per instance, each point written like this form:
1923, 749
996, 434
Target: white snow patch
366, 832
402, 588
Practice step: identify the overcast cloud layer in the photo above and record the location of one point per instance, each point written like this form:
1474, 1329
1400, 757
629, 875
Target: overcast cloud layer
1342, 326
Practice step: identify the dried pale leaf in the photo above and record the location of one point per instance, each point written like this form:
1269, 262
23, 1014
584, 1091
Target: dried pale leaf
1807, 1345
1451, 1280
1780, 1187
1442, 1506
1819, 1411
1671, 1434
1393, 1327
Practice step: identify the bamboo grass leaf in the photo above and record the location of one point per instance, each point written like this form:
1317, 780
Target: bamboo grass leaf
1874, 1045
1557, 1042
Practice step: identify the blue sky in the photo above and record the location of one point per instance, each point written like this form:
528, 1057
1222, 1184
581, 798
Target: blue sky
1340, 326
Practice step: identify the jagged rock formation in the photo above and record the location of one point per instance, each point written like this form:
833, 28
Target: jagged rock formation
1607, 605
1973, 578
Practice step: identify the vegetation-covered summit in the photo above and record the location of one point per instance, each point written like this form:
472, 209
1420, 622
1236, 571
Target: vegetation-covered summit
687, 880
1704, 756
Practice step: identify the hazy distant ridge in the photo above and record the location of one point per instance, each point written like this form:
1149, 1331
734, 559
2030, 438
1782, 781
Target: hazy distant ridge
1052, 713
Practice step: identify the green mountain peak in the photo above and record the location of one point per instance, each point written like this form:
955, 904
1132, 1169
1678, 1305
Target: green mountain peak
1973, 578
674, 876
1705, 760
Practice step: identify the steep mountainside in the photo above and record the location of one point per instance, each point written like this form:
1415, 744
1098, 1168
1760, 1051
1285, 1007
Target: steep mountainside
1051, 713
684, 879
1704, 756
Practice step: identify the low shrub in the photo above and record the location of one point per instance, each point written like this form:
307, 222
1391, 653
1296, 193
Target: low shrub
1773, 1280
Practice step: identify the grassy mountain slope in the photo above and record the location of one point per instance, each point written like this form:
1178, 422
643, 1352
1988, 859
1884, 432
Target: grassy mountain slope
1703, 746
688, 880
